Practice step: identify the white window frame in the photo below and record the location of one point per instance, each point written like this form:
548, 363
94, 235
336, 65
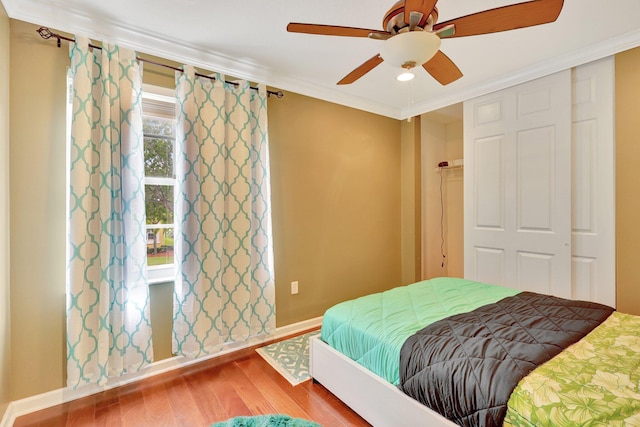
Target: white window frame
164, 99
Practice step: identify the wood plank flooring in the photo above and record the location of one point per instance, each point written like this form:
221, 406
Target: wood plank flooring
199, 395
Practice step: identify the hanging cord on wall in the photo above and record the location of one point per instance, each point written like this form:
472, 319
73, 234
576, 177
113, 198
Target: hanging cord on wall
442, 219
46, 33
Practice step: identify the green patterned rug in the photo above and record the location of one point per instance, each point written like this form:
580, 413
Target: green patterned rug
290, 357
275, 420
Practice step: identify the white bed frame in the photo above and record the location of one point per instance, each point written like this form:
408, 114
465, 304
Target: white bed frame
379, 402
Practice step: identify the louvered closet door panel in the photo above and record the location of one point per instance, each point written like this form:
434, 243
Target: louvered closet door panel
518, 186
593, 177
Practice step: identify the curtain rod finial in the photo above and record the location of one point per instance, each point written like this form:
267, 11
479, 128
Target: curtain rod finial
46, 34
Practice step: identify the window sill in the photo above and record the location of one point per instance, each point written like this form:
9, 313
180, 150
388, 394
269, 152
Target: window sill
161, 274
161, 280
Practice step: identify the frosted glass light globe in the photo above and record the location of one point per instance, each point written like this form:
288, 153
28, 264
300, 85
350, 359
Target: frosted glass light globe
413, 46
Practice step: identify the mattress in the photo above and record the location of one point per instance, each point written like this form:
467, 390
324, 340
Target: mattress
371, 330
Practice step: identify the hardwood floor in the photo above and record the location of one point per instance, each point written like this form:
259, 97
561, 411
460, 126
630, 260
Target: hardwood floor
199, 395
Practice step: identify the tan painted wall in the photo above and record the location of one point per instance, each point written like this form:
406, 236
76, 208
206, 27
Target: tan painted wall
37, 145
411, 201
454, 193
336, 204
5, 320
434, 150
627, 181
336, 209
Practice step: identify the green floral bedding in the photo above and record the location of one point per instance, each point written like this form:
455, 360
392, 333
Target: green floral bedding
595, 382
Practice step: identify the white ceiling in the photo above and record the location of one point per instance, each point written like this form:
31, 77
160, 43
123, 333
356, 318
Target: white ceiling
248, 39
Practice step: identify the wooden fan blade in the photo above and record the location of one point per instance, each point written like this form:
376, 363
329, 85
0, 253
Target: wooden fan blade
361, 70
505, 18
422, 6
442, 68
332, 30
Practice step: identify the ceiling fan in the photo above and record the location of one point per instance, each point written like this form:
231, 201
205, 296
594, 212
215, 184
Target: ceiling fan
412, 34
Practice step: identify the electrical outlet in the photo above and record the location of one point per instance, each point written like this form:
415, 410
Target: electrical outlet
294, 287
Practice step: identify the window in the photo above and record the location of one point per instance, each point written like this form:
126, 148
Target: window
158, 119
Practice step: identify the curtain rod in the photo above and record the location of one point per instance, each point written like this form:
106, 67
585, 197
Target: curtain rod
46, 33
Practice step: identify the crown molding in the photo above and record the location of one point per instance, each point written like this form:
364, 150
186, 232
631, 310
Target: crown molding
49, 13
572, 59
10, 6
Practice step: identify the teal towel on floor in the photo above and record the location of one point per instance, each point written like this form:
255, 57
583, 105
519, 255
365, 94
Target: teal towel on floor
267, 421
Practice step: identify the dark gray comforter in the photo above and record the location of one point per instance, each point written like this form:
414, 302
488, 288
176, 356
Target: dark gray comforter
466, 366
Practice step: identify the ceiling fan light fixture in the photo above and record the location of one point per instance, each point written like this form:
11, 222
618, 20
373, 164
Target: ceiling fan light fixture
405, 76
413, 46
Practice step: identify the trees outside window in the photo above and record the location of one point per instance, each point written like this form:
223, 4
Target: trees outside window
159, 155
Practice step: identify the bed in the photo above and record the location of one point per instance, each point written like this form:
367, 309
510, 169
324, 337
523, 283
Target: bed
367, 374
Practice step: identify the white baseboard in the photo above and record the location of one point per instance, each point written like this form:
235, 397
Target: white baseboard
38, 402
8, 418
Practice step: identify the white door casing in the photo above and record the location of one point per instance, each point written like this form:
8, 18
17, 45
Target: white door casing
517, 186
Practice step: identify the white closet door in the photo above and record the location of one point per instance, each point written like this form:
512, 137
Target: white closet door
593, 170
517, 186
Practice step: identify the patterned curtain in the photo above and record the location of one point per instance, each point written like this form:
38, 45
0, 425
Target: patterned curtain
108, 329
224, 289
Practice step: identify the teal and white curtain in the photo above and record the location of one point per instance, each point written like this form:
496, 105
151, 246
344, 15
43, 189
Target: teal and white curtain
108, 328
224, 290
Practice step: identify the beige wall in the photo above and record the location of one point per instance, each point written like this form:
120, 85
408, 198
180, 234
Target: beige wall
411, 201
336, 204
433, 151
336, 209
627, 180
454, 202
5, 321
37, 144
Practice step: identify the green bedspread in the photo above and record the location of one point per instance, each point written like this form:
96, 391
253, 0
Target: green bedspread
595, 382
372, 329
